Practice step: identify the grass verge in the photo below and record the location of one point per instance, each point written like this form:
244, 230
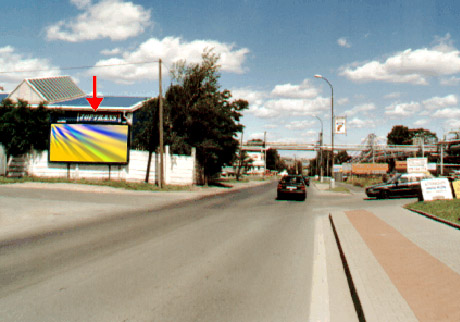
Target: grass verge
445, 209
106, 183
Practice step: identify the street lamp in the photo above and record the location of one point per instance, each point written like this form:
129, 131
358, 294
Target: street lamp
320, 148
332, 126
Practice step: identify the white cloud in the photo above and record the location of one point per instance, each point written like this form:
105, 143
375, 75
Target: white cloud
300, 125
358, 123
81, 4
170, 50
342, 101
448, 113
254, 97
402, 109
253, 136
114, 19
408, 66
393, 95
12, 61
343, 42
110, 52
440, 102
297, 107
420, 122
453, 124
283, 101
304, 90
361, 109
450, 81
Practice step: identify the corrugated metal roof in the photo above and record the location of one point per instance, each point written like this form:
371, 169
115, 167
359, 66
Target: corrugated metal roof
109, 103
56, 89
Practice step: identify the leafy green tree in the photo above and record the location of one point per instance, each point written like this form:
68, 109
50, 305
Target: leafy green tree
146, 126
23, 128
201, 115
399, 135
342, 157
402, 135
274, 161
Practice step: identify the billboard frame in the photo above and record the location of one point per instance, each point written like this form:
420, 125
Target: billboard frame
128, 145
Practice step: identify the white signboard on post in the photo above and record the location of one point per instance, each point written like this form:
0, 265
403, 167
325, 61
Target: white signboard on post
417, 165
340, 125
435, 189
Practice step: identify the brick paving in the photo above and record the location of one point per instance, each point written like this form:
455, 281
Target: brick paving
380, 299
382, 259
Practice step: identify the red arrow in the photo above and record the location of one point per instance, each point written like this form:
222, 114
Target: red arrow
94, 101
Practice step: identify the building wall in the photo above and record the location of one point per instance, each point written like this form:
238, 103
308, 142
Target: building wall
178, 169
25, 92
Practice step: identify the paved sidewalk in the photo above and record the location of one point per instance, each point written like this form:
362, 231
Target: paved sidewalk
36, 208
405, 267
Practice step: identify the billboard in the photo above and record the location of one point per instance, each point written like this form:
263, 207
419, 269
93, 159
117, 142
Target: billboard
417, 165
435, 189
89, 143
340, 125
369, 168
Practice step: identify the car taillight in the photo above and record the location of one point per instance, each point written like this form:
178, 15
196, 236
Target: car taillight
280, 186
302, 187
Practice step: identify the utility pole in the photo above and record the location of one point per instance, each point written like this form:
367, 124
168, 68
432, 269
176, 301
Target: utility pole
160, 101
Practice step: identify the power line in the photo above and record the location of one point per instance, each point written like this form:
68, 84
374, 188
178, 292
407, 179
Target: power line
79, 67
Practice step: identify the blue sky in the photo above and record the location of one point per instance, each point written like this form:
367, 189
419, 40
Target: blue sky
390, 62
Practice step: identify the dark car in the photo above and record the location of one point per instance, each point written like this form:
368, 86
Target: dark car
292, 186
306, 180
401, 185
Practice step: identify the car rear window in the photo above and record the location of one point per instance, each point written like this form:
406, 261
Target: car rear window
292, 180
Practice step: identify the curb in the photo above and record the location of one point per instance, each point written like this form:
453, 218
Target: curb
351, 285
435, 218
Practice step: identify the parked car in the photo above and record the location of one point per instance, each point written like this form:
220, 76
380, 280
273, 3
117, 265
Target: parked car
306, 180
401, 185
292, 186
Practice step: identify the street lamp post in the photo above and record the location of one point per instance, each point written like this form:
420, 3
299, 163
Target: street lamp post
320, 149
332, 127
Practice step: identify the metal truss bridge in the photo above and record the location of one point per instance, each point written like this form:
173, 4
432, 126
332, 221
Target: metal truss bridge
377, 149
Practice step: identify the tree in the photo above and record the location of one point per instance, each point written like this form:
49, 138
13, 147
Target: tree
399, 135
203, 116
146, 130
146, 126
427, 136
23, 128
274, 161
342, 157
402, 135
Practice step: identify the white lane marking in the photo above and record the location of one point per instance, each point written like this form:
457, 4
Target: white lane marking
319, 305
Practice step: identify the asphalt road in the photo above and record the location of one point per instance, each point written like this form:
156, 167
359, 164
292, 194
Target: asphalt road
243, 256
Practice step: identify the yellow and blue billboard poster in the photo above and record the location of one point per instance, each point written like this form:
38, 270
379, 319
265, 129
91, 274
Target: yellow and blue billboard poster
89, 143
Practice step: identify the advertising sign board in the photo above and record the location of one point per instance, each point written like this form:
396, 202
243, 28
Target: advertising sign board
417, 165
401, 166
456, 186
435, 189
340, 125
89, 143
346, 167
369, 168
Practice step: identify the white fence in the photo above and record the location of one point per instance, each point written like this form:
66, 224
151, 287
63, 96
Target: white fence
178, 169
